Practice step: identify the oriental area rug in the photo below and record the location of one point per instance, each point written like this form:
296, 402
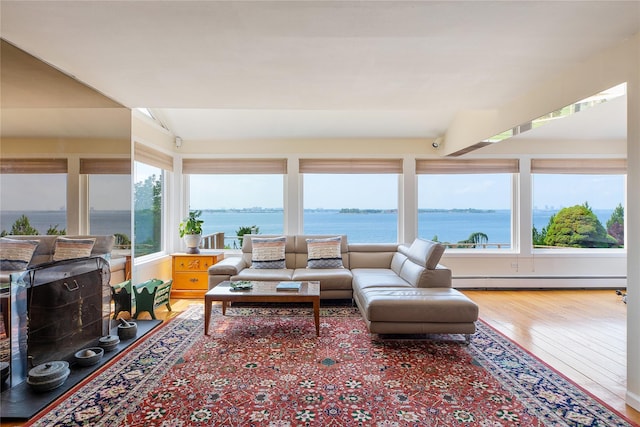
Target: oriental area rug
264, 366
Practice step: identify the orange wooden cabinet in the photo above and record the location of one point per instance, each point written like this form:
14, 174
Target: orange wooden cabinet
190, 276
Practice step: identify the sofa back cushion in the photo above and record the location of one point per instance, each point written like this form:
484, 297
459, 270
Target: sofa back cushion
372, 255
412, 272
424, 252
397, 262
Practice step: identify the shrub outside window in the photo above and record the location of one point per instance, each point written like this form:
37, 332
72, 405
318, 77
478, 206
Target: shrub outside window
578, 204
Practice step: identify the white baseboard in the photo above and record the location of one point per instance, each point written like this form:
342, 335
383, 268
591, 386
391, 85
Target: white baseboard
540, 282
633, 400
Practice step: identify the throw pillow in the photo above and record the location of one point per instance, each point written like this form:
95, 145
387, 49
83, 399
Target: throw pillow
268, 252
16, 254
66, 248
324, 253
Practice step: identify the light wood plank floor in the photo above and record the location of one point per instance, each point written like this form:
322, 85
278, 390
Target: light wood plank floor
581, 333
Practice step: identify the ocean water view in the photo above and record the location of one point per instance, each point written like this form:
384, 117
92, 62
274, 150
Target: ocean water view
448, 225
100, 221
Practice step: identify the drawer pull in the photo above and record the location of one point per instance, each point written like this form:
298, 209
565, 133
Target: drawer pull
193, 279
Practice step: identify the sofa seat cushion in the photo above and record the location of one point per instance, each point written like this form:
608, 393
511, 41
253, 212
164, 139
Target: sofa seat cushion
430, 305
265, 274
329, 278
364, 278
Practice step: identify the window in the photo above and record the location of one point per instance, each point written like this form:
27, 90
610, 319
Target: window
466, 204
585, 197
148, 209
150, 168
231, 203
109, 195
45, 207
33, 191
237, 196
356, 197
110, 206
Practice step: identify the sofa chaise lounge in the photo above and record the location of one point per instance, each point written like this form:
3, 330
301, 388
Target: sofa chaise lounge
398, 288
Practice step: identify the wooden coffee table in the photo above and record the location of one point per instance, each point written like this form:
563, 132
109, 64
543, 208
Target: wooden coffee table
262, 292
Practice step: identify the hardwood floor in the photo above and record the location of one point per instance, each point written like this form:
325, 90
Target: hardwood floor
580, 333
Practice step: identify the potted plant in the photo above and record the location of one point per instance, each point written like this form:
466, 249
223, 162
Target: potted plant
191, 231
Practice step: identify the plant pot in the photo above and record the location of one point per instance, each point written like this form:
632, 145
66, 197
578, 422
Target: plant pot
192, 241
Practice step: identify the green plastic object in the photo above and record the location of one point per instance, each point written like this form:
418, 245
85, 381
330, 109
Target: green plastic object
151, 294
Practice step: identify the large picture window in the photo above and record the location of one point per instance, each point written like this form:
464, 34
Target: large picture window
356, 197
578, 203
466, 204
33, 196
150, 168
109, 196
237, 196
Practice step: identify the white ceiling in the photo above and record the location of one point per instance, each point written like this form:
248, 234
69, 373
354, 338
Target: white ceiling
298, 69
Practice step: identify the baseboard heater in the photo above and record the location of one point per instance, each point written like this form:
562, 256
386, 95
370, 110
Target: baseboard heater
541, 282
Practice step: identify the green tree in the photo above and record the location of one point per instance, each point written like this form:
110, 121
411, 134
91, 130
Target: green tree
21, 227
615, 225
53, 230
539, 236
475, 239
148, 215
246, 229
577, 227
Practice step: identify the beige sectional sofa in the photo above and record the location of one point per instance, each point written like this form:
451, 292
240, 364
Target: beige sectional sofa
44, 252
398, 288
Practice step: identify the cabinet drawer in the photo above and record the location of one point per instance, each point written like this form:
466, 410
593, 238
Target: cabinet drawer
191, 280
192, 263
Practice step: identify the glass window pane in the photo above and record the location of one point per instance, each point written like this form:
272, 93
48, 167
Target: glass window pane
466, 210
148, 209
362, 206
603, 195
41, 198
236, 203
110, 207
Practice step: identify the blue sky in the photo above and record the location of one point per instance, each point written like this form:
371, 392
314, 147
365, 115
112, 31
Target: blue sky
330, 192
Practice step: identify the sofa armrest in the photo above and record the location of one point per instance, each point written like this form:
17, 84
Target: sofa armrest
227, 267
439, 277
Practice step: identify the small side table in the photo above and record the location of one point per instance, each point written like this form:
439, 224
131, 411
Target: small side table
190, 275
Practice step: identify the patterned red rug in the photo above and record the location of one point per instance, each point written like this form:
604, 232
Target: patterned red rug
265, 366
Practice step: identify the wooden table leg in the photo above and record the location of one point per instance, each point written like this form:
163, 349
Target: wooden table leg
316, 315
224, 307
207, 314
